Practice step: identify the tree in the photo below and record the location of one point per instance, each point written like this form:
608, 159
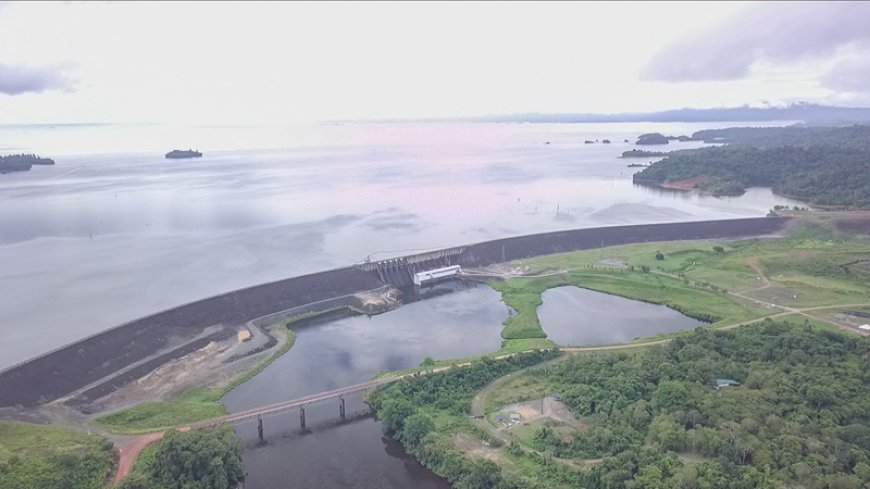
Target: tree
718, 249
659, 256
416, 427
196, 459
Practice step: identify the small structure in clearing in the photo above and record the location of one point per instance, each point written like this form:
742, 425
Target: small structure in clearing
721, 383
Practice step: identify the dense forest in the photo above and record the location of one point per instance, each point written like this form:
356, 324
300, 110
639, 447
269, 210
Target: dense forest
800, 419
196, 459
400, 408
775, 137
826, 166
21, 162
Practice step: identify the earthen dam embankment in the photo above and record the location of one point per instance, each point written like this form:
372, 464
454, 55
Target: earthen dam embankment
71, 368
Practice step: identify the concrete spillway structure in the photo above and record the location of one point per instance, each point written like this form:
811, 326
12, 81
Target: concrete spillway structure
141, 345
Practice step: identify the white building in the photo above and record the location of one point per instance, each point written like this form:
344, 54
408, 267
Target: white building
432, 276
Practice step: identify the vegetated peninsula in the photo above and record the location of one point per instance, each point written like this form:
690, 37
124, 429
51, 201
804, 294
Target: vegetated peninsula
822, 165
640, 153
177, 154
22, 162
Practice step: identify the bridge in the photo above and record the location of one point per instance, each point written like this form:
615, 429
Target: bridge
300, 403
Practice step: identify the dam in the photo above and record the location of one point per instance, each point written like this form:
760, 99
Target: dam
142, 345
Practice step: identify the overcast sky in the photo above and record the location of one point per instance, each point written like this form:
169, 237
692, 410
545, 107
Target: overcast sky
272, 62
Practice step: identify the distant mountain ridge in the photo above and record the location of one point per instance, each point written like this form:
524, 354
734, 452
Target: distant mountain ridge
809, 113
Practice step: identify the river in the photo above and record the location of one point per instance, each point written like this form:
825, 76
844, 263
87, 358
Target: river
460, 320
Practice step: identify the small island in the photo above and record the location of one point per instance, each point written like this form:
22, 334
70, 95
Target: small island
21, 162
177, 154
640, 153
682, 139
652, 138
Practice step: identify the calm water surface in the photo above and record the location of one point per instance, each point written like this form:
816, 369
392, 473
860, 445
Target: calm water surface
114, 231
575, 316
459, 320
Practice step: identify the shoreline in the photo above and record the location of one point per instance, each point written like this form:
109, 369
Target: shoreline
36, 382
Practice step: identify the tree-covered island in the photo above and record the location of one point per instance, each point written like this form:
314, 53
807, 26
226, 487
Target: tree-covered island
21, 162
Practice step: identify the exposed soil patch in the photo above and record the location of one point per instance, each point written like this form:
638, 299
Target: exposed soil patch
775, 295
544, 408
475, 448
687, 184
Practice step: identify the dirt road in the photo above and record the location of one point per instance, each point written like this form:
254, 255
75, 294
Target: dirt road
130, 451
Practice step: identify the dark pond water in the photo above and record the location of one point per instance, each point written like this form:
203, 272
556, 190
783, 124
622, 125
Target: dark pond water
459, 320
576, 316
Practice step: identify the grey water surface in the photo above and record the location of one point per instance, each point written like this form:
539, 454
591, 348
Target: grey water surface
460, 320
576, 316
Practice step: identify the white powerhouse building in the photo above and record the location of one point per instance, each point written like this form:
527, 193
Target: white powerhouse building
432, 276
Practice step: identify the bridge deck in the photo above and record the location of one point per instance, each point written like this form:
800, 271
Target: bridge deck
294, 403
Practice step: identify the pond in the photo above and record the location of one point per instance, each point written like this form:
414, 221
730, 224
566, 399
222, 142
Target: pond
575, 316
457, 320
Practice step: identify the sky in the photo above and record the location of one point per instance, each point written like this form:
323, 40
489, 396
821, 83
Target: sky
280, 62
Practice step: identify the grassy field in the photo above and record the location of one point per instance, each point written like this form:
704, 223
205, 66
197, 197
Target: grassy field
816, 266
37, 457
191, 406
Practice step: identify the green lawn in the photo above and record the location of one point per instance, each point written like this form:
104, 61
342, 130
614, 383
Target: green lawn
49, 457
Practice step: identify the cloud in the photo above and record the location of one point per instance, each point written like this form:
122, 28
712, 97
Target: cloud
775, 33
19, 79
850, 74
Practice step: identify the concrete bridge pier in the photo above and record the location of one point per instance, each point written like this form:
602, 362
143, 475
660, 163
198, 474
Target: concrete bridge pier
260, 428
302, 417
342, 411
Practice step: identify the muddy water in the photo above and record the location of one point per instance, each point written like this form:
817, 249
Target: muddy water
458, 320
575, 316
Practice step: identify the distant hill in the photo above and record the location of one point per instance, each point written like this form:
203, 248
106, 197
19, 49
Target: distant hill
809, 113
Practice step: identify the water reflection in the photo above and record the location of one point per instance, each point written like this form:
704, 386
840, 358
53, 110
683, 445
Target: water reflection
575, 316
458, 320
130, 233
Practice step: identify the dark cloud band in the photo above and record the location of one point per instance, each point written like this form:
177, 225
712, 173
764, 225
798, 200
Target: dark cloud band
19, 79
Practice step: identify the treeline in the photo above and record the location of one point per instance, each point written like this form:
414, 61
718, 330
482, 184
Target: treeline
22, 162
821, 175
775, 137
640, 153
196, 459
402, 407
